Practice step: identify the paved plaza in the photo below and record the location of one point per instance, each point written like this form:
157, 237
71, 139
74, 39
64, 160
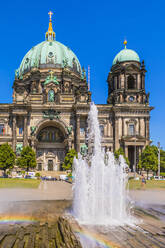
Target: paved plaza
57, 190
36, 207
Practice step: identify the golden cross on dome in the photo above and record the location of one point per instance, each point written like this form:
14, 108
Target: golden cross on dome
51, 74
50, 34
50, 14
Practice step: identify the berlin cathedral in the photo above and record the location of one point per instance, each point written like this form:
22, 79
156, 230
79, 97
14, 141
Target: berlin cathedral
51, 101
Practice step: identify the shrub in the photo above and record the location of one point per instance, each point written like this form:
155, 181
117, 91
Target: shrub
68, 161
37, 174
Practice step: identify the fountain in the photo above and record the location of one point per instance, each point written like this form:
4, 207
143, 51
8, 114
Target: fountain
100, 195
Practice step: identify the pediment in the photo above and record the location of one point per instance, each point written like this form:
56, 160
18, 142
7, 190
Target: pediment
118, 67
132, 68
51, 84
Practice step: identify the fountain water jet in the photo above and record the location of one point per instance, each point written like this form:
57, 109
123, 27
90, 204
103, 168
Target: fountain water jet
100, 195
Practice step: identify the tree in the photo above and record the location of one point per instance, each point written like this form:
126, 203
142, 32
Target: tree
149, 159
162, 161
7, 157
27, 160
119, 152
68, 161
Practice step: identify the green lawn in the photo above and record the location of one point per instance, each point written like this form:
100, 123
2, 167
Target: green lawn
19, 183
150, 184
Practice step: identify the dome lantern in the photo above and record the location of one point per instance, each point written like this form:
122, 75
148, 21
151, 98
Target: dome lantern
126, 55
50, 34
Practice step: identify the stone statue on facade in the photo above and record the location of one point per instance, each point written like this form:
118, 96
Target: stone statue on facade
51, 96
33, 129
83, 150
69, 129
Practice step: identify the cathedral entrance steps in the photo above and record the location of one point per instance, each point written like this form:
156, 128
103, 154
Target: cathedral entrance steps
52, 173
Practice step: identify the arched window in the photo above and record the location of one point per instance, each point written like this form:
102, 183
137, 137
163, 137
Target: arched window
51, 96
50, 134
131, 82
131, 129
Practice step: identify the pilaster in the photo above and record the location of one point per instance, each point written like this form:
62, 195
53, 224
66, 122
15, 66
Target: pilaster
78, 133
14, 133
25, 141
139, 120
116, 134
147, 128
122, 126
126, 151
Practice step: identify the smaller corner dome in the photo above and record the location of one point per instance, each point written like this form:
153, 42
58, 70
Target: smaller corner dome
126, 55
49, 54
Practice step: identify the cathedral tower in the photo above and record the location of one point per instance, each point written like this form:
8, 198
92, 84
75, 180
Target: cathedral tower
127, 95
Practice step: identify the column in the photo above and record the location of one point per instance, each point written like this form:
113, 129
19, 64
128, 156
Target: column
25, 141
138, 81
147, 128
140, 150
111, 129
122, 126
139, 125
105, 130
108, 129
116, 134
126, 151
115, 82
14, 134
32, 144
78, 133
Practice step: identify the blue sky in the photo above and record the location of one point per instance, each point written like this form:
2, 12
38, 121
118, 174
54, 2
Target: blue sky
95, 31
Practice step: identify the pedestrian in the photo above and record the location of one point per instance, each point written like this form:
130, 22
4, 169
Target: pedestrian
143, 182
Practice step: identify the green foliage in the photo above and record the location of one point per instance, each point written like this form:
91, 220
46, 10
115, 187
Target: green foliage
7, 157
68, 161
149, 159
162, 174
162, 161
37, 174
119, 152
17, 183
70, 174
27, 160
23, 172
151, 184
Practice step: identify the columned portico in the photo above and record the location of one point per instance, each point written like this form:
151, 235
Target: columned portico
131, 145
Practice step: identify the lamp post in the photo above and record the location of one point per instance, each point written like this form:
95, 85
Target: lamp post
159, 159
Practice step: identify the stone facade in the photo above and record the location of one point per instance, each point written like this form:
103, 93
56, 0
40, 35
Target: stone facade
51, 104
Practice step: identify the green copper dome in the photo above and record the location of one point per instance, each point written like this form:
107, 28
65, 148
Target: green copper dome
126, 55
49, 54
